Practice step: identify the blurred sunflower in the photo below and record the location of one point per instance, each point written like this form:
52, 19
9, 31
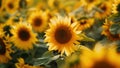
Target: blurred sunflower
106, 9
21, 64
106, 31
89, 4
5, 50
23, 37
62, 35
100, 58
115, 51
85, 23
51, 3
7, 25
78, 4
116, 6
41, 6
11, 6
38, 20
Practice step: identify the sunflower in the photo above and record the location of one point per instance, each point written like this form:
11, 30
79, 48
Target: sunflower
21, 64
62, 35
115, 51
89, 4
116, 6
85, 23
23, 37
106, 31
105, 10
7, 25
38, 20
11, 6
100, 58
5, 50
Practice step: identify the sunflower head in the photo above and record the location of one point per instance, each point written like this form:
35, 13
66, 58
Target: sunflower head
116, 6
62, 35
106, 31
21, 64
85, 23
89, 4
100, 58
105, 8
23, 36
11, 6
38, 20
5, 49
2, 47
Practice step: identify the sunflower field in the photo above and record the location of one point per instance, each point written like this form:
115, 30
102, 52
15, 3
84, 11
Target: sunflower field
59, 33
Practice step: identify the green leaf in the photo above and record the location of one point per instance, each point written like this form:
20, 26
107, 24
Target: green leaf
60, 62
46, 58
48, 53
115, 17
115, 29
85, 38
3, 65
42, 61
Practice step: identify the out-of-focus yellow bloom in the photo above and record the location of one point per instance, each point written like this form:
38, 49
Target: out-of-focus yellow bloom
100, 58
114, 51
21, 64
107, 32
85, 23
116, 6
11, 6
89, 4
5, 50
62, 35
38, 20
106, 9
23, 36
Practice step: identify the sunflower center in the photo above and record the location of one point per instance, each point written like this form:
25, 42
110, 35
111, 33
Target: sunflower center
2, 47
83, 22
24, 34
37, 22
103, 64
10, 5
72, 20
104, 8
90, 1
63, 35
118, 7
